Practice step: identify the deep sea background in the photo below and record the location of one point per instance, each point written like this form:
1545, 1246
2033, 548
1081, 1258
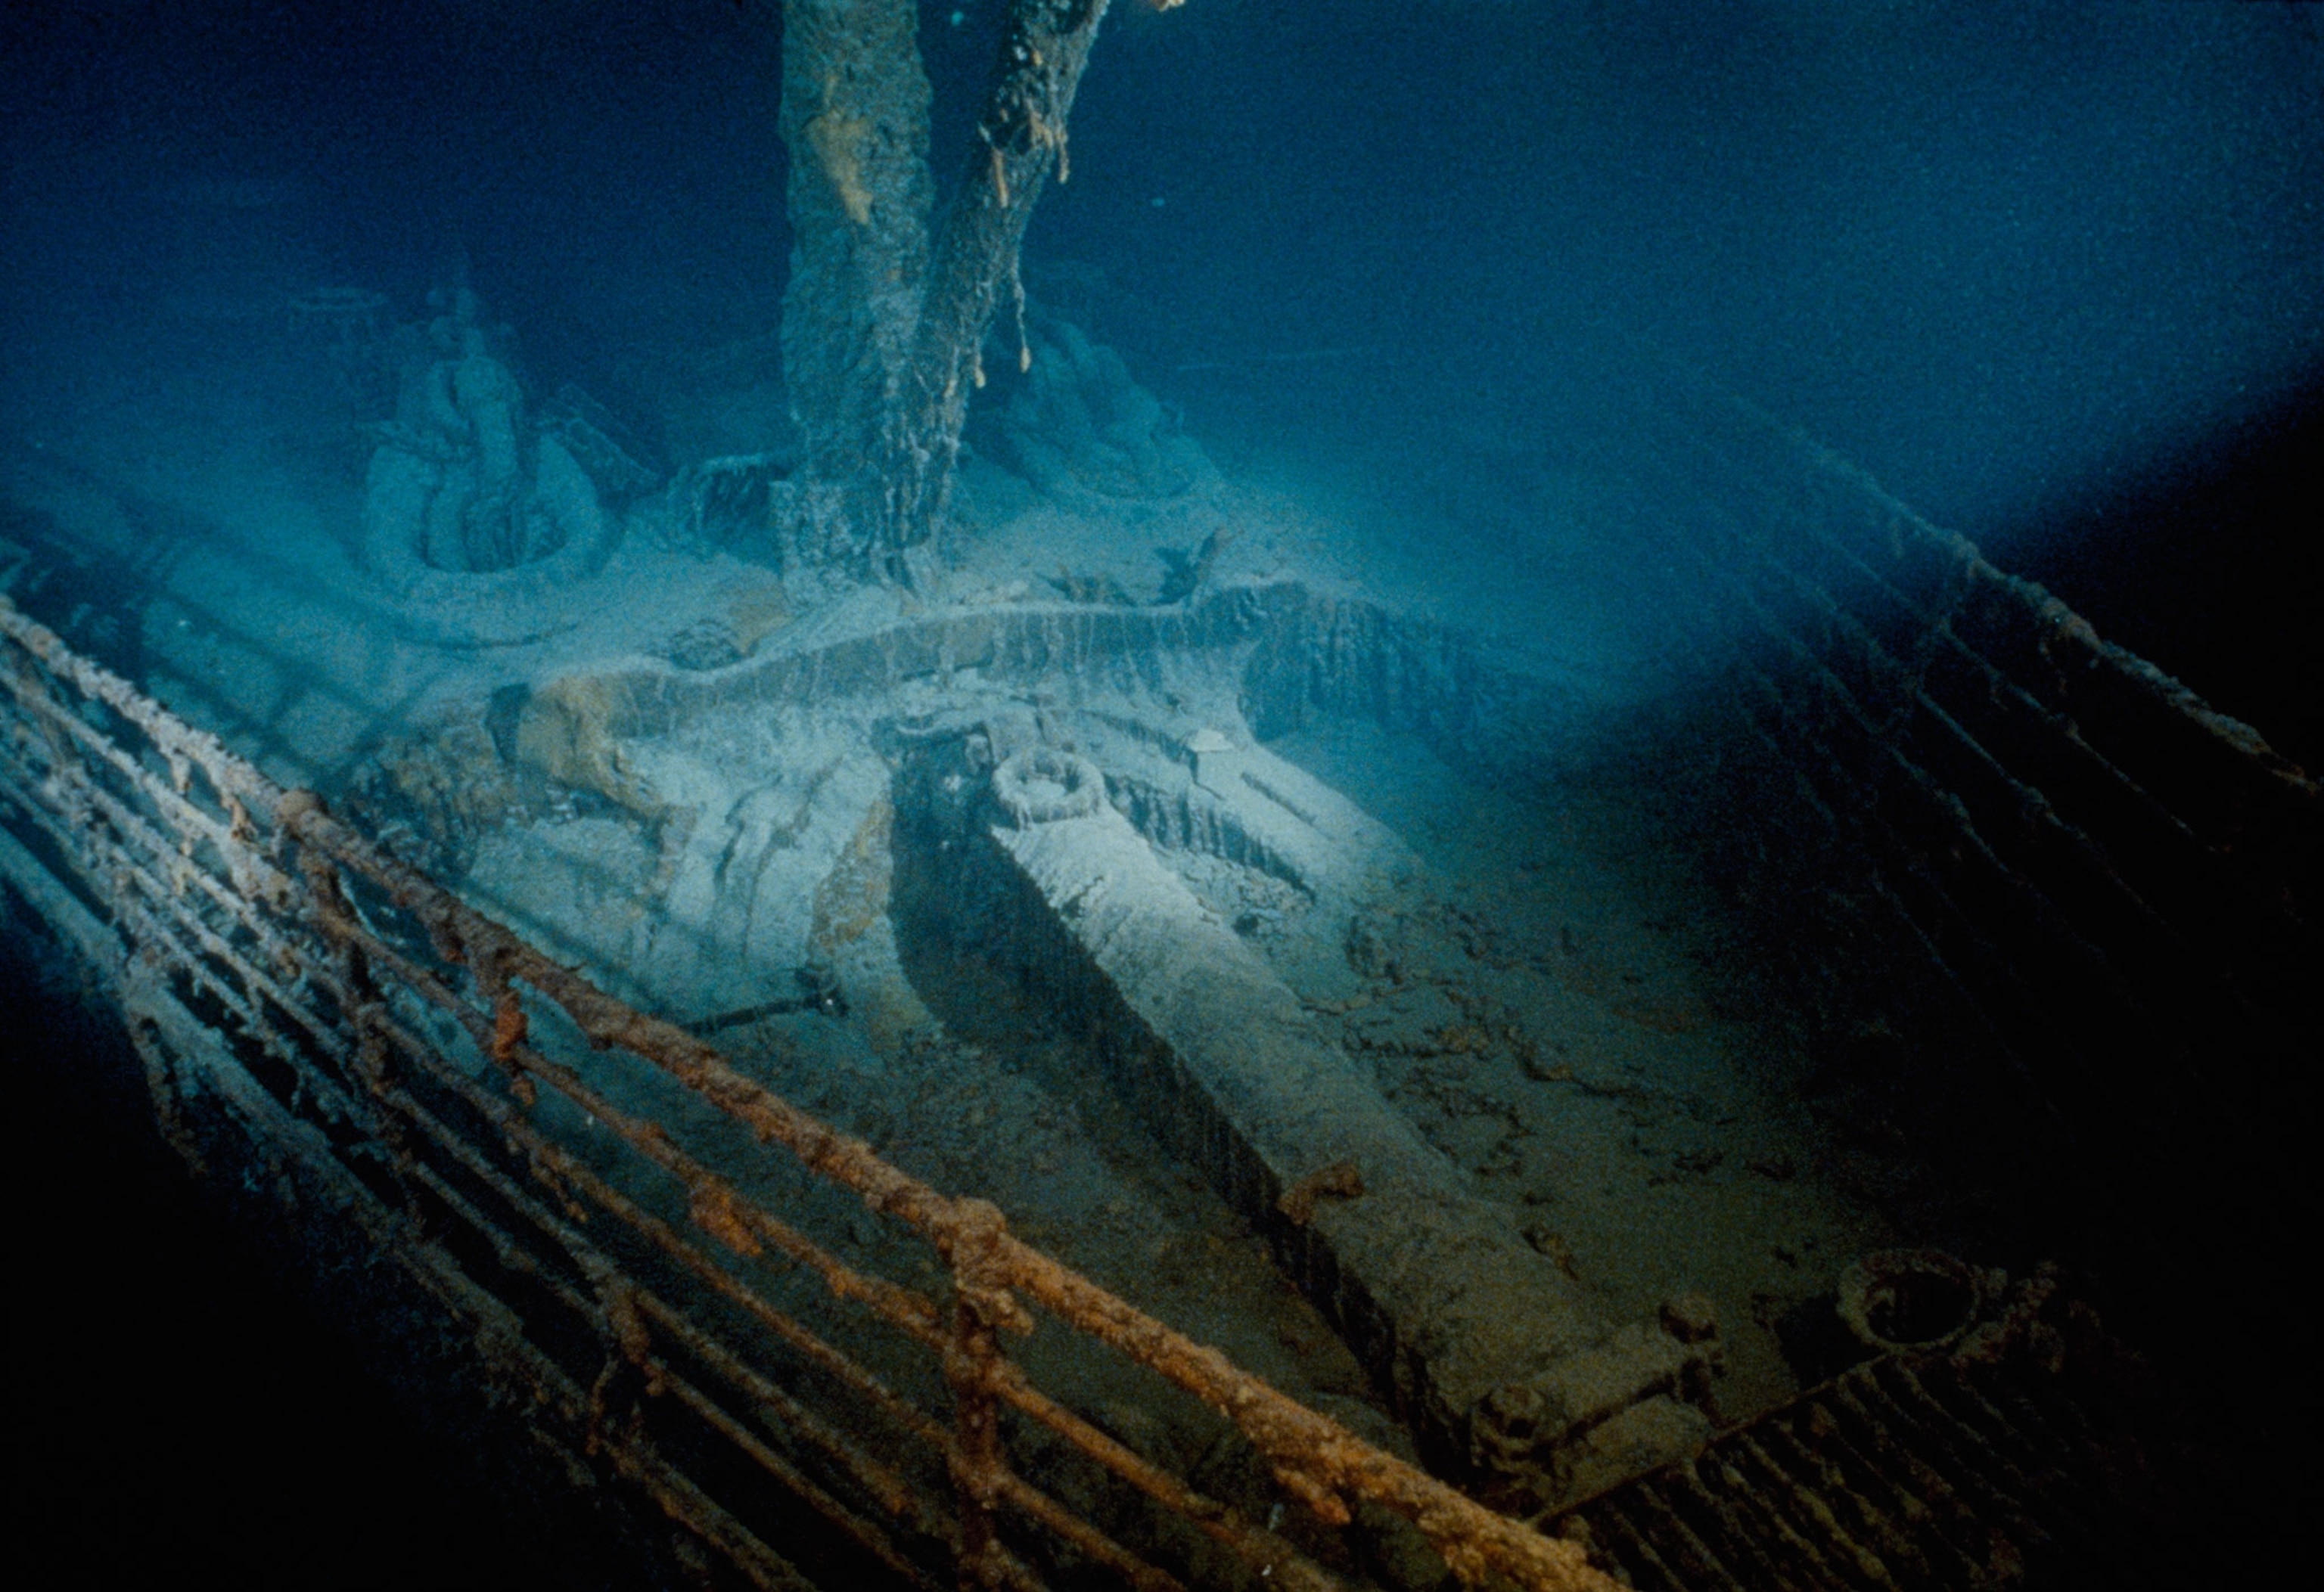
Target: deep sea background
2055, 273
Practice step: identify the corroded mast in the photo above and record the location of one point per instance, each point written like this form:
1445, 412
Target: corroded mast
855, 120
883, 320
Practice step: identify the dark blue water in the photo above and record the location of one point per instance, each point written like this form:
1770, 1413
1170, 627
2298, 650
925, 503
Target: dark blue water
2055, 273
2012, 260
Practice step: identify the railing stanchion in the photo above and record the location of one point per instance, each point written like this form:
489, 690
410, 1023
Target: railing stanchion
972, 1357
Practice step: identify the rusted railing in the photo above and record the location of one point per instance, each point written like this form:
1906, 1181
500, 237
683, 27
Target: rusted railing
369, 1018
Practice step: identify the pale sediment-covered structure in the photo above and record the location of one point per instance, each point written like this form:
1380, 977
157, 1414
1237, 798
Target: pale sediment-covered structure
1204, 1091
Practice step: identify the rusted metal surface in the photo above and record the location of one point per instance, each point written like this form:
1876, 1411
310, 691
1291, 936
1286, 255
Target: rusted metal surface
2003, 1463
2010, 872
251, 929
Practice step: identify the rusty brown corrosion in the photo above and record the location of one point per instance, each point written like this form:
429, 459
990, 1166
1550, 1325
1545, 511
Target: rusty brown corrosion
1316, 1458
993, 1273
1339, 1180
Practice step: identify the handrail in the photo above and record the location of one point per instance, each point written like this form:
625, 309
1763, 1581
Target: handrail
246, 893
